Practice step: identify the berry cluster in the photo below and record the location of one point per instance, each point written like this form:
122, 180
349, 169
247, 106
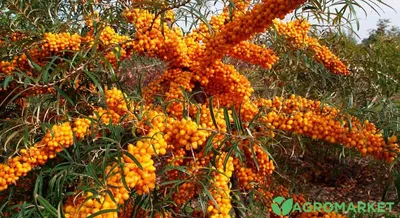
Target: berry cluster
141, 178
60, 42
220, 188
227, 85
255, 169
320, 121
92, 205
185, 133
156, 39
254, 54
59, 137
115, 47
116, 100
321, 214
7, 67
297, 33
256, 20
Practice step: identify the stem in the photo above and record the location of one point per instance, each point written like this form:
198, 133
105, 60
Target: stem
238, 213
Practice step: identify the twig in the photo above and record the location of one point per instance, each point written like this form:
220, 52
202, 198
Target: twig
55, 82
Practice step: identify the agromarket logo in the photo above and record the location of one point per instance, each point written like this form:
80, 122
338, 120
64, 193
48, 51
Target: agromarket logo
282, 207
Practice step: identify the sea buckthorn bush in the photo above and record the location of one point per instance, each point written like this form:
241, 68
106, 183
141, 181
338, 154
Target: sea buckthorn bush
112, 109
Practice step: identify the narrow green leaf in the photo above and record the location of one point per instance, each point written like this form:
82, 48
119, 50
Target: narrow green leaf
227, 121
254, 154
103, 212
92, 173
32, 63
255, 117
36, 190
209, 143
45, 72
47, 206
212, 112
235, 144
63, 94
133, 159
237, 121
6, 81
95, 81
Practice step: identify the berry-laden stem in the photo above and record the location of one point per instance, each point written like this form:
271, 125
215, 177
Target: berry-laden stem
255, 21
320, 121
220, 190
296, 32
